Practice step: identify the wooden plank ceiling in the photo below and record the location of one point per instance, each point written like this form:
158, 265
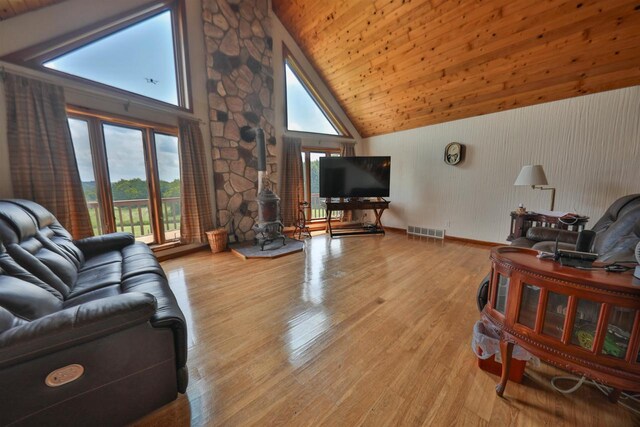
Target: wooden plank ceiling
11, 8
402, 64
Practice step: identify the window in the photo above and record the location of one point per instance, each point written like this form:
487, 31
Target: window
306, 111
141, 54
130, 174
311, 173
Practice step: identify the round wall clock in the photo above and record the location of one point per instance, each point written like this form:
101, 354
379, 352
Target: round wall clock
453, 153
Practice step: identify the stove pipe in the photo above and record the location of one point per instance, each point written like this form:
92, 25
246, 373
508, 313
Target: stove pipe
262, 157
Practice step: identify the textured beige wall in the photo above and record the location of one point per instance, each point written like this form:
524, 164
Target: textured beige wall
589, 146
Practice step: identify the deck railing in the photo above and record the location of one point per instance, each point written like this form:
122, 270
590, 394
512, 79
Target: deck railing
318, 210
133, 216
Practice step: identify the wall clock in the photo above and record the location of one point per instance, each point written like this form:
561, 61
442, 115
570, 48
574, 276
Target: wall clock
453, 153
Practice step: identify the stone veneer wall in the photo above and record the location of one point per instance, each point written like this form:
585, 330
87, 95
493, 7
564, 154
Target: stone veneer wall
240, 85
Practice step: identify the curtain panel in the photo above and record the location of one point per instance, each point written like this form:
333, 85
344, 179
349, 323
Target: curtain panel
43, 161
195, 205
292, 180
347, 150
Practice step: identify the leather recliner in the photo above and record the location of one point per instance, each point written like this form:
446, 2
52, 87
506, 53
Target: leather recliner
102, 303
617, 233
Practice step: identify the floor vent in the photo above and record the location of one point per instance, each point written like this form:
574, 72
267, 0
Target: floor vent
428, 232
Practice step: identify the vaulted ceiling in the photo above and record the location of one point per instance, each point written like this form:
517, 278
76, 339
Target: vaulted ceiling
402, 64
10, 8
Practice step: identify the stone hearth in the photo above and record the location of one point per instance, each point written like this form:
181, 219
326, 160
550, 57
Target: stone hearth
240, 85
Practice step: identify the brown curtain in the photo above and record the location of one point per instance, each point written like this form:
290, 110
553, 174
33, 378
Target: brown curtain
197, 217
292, 180
347, 150
43, 162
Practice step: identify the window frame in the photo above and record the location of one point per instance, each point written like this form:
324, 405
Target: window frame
289, 59
35, 56
307, 177
95, 121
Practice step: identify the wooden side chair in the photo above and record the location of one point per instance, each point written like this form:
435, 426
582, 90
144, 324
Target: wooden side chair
301, 226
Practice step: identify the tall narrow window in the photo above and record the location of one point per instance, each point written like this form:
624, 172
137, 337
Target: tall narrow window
169, 174
130, 174
128, 180
311, 175
82, 147
306, 111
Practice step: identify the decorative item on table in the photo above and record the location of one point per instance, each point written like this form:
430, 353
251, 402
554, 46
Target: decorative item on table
521, 209
614, 342
534, 176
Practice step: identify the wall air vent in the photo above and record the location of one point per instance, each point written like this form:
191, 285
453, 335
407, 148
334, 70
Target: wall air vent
423, 231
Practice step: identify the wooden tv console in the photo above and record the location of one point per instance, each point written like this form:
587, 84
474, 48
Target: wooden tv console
583, 321
378, 207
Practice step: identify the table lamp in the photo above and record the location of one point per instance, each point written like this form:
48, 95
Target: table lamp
534, 176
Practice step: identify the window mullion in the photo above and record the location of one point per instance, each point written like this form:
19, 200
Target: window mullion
155, 199
307, 165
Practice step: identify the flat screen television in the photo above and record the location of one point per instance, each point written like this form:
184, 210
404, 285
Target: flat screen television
355, 176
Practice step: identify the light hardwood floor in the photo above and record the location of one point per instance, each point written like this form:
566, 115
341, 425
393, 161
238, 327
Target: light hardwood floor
355, 331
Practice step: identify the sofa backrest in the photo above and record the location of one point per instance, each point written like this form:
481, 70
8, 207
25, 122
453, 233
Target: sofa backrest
34, 251
619, 240
617, 209
49, 226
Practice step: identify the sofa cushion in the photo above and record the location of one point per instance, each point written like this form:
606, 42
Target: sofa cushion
102, 259
97, 277
93, 295
25, 300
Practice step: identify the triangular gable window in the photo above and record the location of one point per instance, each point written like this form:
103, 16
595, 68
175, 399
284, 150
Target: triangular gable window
306, 112
138, 59
142, 54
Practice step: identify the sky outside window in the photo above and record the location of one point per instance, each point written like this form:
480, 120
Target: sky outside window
139, 59
303, 113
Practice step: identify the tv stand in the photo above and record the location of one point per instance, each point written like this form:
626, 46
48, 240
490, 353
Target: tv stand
378, 207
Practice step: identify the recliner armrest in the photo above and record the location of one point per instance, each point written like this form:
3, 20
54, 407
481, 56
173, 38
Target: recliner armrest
543, 234
95, 245
75, 325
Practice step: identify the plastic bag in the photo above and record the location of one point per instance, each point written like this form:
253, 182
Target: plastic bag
487, 339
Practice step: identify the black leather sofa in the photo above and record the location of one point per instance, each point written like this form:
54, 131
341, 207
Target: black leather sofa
617, 233
102, 303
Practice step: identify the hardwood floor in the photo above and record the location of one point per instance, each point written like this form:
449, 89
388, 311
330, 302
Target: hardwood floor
354, 331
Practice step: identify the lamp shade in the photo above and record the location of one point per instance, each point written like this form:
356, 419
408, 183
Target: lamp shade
531, 175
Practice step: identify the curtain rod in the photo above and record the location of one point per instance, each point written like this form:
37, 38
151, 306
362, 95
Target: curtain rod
84, 89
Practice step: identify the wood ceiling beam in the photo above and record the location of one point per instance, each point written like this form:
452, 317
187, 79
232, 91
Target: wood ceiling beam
11, 8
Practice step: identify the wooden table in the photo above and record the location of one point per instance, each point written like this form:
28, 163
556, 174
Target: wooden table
377, 206
520, 223
586, 322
